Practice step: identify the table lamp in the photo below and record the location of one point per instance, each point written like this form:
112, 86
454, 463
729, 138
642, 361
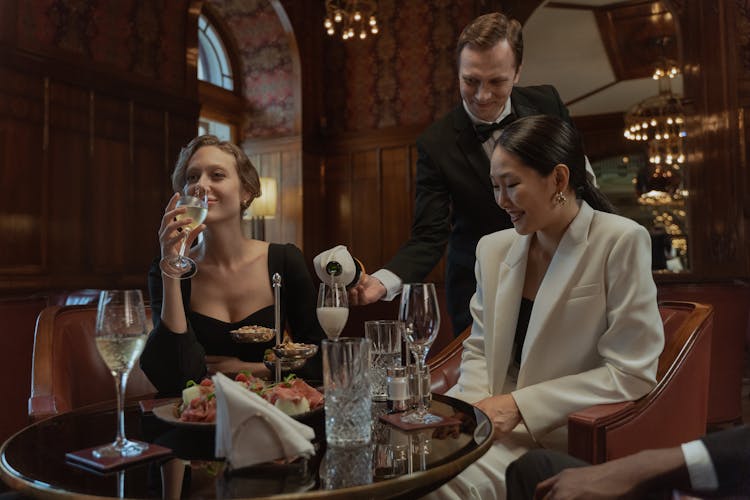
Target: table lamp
262, 208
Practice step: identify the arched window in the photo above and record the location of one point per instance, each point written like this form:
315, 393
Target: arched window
213, 63
219, 86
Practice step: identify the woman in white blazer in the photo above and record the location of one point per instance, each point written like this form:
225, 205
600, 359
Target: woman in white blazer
565, 312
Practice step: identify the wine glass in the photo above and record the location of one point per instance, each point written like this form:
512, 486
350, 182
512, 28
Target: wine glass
420, 313
121, 332
195, 199
333, 308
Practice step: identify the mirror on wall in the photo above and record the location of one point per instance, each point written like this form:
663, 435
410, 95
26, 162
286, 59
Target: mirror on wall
617, 67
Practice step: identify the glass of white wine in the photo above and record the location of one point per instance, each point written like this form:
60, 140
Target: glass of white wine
420, 312
121, 332
195, 200
333, 308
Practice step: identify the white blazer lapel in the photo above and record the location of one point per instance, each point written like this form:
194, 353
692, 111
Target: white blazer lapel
557, 279
511, 277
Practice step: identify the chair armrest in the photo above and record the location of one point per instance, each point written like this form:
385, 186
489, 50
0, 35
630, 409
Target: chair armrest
586, 429
41, 407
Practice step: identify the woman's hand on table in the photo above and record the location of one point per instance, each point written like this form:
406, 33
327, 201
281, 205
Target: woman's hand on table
503, 412
231, 364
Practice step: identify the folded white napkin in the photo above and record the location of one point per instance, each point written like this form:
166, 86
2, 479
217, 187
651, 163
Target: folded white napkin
350, 268
250, 430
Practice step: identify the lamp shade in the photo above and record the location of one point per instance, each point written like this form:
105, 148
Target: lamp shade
265, 204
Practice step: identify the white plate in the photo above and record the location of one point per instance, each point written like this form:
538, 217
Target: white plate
168, 413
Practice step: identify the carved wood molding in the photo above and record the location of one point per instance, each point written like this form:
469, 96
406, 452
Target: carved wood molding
373, 139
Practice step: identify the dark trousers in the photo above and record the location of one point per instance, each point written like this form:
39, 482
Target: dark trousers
533, 467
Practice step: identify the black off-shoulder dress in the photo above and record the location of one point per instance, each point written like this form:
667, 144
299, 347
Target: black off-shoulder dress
171, 359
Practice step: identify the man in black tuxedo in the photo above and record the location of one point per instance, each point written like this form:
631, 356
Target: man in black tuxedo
718, 464
455, 203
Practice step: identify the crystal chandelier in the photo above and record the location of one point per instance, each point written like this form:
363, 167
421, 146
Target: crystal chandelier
351, 18
659, 121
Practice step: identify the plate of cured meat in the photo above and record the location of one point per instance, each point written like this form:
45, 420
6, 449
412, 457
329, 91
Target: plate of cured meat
197, 408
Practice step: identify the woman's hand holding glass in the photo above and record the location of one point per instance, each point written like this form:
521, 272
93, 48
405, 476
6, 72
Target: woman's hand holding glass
180, 226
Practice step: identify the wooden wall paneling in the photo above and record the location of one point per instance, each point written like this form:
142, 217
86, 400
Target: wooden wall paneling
337, 201
69, 179
22, 173
397, 200
712, 159
148, 172
110, 202
8, 16
291, 193
312, 203
366, 207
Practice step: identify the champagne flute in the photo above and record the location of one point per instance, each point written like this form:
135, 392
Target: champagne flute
195, 199
420, 313
121, 332
333, 308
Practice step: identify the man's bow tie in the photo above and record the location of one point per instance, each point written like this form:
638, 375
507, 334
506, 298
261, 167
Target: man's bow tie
485, 130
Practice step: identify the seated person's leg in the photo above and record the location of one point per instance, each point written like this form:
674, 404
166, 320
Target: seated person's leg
533, 467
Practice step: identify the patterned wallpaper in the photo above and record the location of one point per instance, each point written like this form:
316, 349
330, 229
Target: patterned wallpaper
267, 65
144, 37
405, 75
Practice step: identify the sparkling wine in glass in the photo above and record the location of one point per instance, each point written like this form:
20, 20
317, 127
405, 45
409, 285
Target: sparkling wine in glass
420, 313
333, 308
195, 200
121, 332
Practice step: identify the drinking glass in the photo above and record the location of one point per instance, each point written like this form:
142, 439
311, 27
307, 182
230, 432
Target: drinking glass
346, 382
420, 313
333, 308
120, 335
195, 199
385, 353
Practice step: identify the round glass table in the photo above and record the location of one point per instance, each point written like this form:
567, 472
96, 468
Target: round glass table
397, 464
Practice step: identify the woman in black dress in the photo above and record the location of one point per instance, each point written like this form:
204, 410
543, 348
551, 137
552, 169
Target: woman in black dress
232, 288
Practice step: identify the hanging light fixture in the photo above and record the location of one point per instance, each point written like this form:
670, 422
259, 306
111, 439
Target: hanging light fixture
659, 122
351, 18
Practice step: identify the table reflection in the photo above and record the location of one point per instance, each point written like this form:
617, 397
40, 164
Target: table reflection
396, 463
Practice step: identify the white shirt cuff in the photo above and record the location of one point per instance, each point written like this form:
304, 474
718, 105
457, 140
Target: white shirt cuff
390, 281
699, 466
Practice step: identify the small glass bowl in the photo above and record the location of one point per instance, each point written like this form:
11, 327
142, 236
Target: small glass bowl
293, 350
287, 365
252, 334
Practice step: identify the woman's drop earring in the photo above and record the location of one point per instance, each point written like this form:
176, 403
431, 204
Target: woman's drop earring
560, 198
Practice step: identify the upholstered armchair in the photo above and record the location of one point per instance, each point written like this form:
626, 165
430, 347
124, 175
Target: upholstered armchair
67, 371
672, 413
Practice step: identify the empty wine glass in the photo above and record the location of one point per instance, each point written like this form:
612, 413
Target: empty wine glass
420, 313
121, 332
333, 308
195, 199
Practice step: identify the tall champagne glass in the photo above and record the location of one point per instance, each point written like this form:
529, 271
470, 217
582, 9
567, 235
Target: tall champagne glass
195, 199
420, 313
121, 332
333, 308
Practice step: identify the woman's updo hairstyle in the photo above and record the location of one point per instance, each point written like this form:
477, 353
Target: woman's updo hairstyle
245, 169
541, 142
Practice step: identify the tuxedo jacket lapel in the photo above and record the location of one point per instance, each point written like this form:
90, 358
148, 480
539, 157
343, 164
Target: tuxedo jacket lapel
469, 144
557, 280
